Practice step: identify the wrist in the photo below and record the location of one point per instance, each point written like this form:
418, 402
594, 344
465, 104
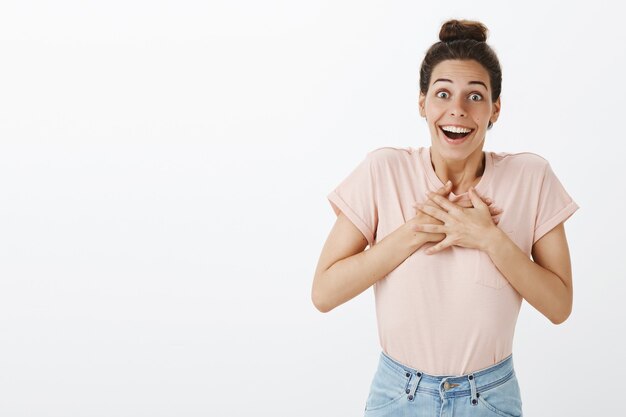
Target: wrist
414, 239
494, 239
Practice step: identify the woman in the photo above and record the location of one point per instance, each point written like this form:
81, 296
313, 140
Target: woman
450, 230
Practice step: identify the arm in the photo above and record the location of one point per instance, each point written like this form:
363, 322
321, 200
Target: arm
545, 283
344, 270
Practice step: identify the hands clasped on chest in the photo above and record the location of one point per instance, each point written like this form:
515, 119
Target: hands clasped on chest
467, 223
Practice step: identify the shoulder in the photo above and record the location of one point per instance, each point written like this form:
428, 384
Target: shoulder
520, 161
389, 156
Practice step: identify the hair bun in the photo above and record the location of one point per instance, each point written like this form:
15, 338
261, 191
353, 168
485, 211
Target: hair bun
463, 29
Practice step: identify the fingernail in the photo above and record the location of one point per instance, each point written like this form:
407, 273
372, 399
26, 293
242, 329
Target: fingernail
448, 183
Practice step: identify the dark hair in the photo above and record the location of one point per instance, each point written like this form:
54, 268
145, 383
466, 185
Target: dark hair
463, 40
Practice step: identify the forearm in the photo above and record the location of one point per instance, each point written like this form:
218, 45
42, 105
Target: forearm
542, 288
349, 277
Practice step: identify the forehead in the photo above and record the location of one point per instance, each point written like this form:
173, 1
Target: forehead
460, 72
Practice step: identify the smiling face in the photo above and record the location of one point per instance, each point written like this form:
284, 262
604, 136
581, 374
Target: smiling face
459, 95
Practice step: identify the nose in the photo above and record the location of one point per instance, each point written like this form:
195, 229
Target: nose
456, 108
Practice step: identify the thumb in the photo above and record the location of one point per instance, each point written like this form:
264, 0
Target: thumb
476, 200
445, 190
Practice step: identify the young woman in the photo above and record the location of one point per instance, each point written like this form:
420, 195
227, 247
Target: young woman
451, 230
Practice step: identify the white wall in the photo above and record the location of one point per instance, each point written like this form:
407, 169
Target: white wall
164, 168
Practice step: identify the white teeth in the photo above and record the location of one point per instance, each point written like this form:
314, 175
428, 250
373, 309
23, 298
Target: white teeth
455, 129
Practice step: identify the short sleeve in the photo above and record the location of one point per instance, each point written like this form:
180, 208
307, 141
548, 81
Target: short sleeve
355, 196
554, 206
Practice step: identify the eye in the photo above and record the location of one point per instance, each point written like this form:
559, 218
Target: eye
440, 92
476, 95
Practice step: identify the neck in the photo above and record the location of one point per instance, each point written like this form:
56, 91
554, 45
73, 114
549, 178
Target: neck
463, 173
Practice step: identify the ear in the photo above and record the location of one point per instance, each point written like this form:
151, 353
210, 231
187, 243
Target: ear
420, 102
496, 111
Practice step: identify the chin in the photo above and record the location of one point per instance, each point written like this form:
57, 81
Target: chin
457, 152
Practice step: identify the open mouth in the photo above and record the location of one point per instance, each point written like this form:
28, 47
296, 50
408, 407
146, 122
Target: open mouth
453, 136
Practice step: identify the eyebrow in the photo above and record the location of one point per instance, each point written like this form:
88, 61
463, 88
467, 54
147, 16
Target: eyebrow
471, 82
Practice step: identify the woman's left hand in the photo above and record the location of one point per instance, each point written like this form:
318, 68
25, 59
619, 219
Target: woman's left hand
467, 227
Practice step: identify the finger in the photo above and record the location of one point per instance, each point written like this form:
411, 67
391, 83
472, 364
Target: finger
416, 206
430, 228
445, 190
476, 200
468, 203
494, 211
464, 203
430, 203
435, 212
487, 200
427, 202
444, 203
439, 246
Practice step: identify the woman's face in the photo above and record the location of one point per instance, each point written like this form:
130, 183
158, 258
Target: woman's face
459, 95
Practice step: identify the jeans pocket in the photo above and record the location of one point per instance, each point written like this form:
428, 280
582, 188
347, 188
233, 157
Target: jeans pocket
503, 400
486, 273
387, 387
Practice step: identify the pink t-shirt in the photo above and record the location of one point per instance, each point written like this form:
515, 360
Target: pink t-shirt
453, 312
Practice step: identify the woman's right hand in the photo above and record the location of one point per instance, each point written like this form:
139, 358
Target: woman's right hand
423, 218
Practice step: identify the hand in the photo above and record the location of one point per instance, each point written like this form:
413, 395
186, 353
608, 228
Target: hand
493, 210
424, 218
466, 227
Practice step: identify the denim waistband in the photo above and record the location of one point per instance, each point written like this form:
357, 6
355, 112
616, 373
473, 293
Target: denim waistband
453, 386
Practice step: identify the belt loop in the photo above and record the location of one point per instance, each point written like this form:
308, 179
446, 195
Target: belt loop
474, 396
418, 378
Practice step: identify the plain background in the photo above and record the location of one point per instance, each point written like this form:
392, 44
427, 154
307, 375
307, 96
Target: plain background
164, 167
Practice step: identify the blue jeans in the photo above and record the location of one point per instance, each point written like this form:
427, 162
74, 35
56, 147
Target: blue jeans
398, 390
